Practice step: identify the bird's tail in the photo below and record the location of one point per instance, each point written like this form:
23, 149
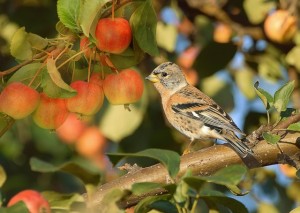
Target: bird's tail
241, 148
238, 144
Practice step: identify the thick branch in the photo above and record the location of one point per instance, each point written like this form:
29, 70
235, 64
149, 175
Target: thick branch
206, 162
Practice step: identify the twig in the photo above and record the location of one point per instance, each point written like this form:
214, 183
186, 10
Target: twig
15, 68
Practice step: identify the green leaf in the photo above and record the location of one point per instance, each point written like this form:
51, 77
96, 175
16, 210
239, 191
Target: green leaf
267, 207
68, 13
72, 167
265, 97
55, 86
89, 15
16, 208
170, 159
282, 96
232, 204
20, 47
110, 199
269, 68
244, 81
292, 58
222, 53
164, 206
126, 59
118, 123
144, 187
296, 210
271, 138
37, 42
298, 174
26, 73
144, 205
257, 10
2, 176
143, 22
166, 35
294, 127
59, 201
228, 176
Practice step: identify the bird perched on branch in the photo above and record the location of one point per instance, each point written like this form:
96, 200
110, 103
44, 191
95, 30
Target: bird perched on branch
191, 112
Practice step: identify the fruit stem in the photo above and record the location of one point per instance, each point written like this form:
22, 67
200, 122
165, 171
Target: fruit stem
36, 74
73, 56
113, 10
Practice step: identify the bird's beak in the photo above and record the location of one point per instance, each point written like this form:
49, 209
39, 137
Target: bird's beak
153, 78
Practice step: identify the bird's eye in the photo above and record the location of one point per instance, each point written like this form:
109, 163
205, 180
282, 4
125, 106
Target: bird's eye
164, 74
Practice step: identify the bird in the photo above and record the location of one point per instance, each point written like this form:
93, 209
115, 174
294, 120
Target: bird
192, 112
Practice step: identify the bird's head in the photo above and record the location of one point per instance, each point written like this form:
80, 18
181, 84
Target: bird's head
167, 76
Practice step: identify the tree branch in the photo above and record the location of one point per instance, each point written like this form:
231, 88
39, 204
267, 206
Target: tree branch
207, 161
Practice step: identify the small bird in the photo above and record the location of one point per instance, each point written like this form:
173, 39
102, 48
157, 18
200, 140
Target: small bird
191, 112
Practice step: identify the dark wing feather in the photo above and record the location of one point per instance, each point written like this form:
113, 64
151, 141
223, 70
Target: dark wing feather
211, 115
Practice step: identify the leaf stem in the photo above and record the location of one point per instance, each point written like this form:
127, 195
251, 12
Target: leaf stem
195, 203
17, 67
73, 56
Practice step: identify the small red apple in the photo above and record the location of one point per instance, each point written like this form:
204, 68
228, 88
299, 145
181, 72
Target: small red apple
18, 100
113, 35
280, 26
71, 129
33, 200
51, 112
125, 87
88, 100
91, 143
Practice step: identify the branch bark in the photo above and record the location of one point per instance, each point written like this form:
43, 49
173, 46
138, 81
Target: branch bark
207, 161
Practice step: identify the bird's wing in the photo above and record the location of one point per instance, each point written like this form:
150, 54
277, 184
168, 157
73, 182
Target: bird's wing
196, 105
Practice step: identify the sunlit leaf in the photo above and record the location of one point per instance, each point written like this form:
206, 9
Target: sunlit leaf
20, 47
166, 36
26, 74
143, 22
118, 123
292, 58
282, 96
68, 13
141, 188
294, 127
265, 97
269, 68
296, 210
271, 138
59, 201
37, 42
257, 10
90, 14
267, 207
169, 159
244, 80
110, 199
72, 167
231, 175
2, 176
55, 86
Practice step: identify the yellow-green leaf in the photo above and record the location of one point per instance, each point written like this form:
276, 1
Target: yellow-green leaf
20, 47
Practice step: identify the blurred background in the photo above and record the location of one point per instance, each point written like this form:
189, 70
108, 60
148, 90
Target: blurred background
223, 49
